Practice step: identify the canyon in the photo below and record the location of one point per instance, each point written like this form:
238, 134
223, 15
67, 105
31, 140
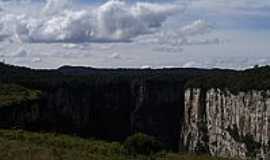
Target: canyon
186, 109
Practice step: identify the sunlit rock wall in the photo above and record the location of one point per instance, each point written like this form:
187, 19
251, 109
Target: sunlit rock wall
226, 124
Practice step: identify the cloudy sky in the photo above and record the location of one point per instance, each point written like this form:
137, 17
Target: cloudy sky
135, 33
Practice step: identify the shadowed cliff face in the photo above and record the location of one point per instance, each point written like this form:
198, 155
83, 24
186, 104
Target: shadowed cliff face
99, 111
106, 104
111, 111
158, 109
115, 111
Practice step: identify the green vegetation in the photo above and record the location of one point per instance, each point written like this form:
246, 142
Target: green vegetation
248, 140
186, 156
81, 77
22, 145
142, 144
257, 78
15, 94
19, 84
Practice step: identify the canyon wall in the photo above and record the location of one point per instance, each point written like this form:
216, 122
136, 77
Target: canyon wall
114, 104
110, 111
227, 124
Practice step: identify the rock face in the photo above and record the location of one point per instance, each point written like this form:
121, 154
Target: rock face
115, 111
225, 124
111, 111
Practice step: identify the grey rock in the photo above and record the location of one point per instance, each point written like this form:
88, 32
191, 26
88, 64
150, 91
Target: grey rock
226, 124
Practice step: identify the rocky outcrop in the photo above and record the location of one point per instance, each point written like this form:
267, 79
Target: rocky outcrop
225, 124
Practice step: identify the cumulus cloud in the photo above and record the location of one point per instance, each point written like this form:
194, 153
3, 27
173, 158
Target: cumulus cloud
55, 6
114, 21
61, 31
67, 27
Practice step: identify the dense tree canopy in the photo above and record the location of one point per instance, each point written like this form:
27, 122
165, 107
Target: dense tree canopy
257, 78
76, 77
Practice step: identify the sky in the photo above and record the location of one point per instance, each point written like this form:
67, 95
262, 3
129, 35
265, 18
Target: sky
135, 33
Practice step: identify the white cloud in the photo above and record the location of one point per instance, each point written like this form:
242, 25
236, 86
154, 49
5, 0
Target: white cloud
7, 24
55, 6
20, 53
113, 21
196, 28
66, 27
71, 46
146, 67
175, 40
190, 64
36, 60
139, 33
115, 55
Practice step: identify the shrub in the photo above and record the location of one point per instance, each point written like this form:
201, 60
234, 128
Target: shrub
16, 94
142, 144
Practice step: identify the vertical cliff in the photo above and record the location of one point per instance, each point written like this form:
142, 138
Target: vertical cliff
226, 124
114, 111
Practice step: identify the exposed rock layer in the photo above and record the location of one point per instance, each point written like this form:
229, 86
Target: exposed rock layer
226, 124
